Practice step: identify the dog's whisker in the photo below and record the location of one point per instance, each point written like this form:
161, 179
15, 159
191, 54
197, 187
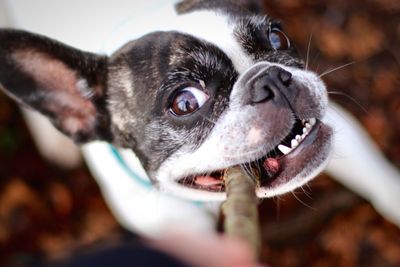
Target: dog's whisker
247, 169
308, 47
336, 69
254, 174
221, 187
350, 98
306, 192
259, 168
308, 187
278, 206
312, 62
301, 201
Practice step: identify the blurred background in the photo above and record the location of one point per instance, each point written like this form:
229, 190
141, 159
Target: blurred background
49, 212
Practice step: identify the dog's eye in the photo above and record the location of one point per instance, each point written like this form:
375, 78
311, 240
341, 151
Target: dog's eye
278, 39
188, 100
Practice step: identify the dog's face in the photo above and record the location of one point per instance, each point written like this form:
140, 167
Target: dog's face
224, 88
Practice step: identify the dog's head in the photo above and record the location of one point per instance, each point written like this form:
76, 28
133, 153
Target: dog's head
225, 87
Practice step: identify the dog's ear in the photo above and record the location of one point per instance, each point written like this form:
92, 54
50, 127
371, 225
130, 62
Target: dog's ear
253, 6
65, 84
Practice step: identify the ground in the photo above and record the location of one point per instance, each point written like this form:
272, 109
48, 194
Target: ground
46, 212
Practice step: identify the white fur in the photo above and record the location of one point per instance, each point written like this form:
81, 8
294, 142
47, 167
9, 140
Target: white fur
358, 164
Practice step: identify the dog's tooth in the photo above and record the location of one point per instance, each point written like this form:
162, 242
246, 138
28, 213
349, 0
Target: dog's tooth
284, 149
298, 138
308, 126
304, 130
294, 143
313, 121
303, 136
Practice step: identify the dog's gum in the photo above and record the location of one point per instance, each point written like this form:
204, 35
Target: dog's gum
271, 166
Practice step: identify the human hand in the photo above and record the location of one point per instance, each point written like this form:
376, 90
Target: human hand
205, 250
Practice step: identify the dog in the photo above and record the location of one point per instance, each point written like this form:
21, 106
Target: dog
219, 84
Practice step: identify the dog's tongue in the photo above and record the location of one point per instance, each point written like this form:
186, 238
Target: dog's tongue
207, 181
271, 166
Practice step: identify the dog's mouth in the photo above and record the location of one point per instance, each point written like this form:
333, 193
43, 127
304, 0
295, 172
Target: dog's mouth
304, 148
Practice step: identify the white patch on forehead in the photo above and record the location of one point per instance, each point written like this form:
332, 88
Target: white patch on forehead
211, 26
216, 28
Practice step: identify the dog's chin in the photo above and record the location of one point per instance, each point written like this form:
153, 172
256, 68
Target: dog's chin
283, 169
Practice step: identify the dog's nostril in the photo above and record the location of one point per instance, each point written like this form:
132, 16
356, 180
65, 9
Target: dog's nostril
269, 83
285, 77
261, 91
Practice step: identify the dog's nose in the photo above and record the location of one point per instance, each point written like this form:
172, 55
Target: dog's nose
268, 83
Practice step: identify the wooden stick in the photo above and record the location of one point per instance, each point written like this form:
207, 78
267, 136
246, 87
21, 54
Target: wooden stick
240, 208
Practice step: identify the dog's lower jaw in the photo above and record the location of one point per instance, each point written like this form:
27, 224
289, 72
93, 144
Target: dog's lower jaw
296, 168
315, 162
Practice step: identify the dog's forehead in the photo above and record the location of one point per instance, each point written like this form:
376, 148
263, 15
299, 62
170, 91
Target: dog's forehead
160, 58
209, 36
221, 30
215, 26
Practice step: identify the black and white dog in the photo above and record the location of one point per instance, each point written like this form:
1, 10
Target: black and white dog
217, 84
